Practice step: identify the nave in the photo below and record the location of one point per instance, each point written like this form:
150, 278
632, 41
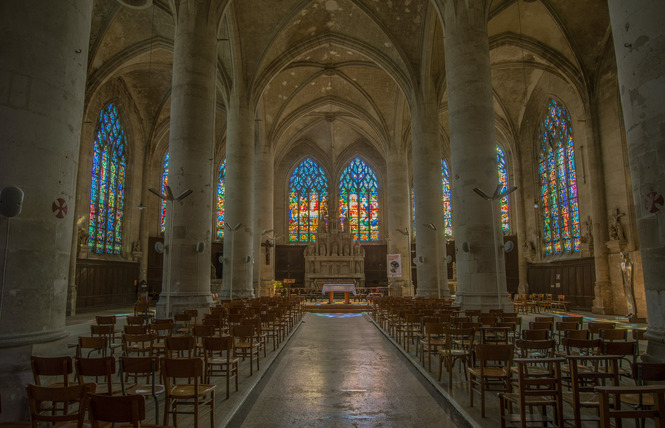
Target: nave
337, 371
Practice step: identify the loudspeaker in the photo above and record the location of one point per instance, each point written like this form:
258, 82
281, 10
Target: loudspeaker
466, 247
200, 246
11, 201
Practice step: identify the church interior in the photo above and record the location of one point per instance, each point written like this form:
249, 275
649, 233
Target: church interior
198, 153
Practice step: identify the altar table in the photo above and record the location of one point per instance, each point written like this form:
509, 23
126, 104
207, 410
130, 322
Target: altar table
332, 288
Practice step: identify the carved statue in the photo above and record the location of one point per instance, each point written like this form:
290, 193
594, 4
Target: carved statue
83, 237
627, 276
347, 225
616, 230
587, 236
136, 246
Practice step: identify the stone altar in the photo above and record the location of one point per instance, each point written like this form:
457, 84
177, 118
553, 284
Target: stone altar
334, 257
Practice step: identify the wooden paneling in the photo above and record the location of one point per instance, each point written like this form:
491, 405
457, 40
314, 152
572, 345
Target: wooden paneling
290, 263
376, 273
102, 283
572, 278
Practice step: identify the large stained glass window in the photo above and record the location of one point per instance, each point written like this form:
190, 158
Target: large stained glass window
447, 208
107, 187
308, 201
558, 182
165, 181
359, 200
221, 192
503, 179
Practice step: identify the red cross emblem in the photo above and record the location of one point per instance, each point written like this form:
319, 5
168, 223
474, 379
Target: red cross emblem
59, 208
653, 202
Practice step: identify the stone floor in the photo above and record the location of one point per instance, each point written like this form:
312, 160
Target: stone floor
334, 370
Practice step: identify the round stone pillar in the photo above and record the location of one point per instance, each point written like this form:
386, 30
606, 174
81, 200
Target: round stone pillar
264, 238
481, 277
399, 222
191, 141
44, 53
639, 42
427, 186
238, 244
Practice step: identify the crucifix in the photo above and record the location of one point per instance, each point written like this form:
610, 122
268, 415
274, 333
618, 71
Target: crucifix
268, 244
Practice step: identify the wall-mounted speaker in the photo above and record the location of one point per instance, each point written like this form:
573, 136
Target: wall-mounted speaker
466, 247
200, 246
11, 201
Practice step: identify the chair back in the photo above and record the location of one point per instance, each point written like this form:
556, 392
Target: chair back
613, 334
500, 354
538, 334
536, 348
68, 402
181, 368
649, 372
115, 409
580, 346
134, 329
135, 320
51, 366
91, 344
180, 346
97, 367
595, 327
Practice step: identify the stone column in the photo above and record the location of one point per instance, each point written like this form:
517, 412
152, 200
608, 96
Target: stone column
191, 144
639, 42
264, 242
238, 244
473, 157
399, 221
430, 244
44, 53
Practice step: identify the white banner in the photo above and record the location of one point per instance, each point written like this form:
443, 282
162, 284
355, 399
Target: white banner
394, 265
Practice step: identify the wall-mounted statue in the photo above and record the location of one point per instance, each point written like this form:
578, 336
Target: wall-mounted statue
616, 229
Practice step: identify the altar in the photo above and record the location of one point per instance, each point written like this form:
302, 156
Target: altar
347, 289
334, 258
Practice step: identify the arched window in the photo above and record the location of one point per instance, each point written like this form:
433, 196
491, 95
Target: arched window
447, 208
558, 182
308, 201
359, 200
221, 192
165, 181
503, 179
107, 187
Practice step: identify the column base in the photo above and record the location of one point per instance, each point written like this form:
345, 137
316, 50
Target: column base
15, 373
484, 301
183, 300
237, 294
655, 346
602, 303
266, 288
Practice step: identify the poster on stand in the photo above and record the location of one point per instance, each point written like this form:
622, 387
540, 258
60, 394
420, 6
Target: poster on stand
394, 265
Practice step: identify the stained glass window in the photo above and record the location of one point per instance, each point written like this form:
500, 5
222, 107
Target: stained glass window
359, 200
447, 208
221, 192
308, 201
165, 181
107, 187
558, 182
503, 179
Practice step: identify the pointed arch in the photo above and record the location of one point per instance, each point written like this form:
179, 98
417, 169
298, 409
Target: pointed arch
308, 201
107, 187
558, 181
359, 200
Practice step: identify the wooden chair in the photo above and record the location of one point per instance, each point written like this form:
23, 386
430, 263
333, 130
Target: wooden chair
67, 400
613, 334
106, 409
584, 378
182, 323
107, 331
51, 367
219, 360
91, 344
135, 329
595, 327
644, 373
180, 346
135, 320
138, 344
627, 351
459, 343
199, 332
638, 337
184, 382
539, 386
536, 348
162, 330
530, 334
141, 368
610, 398
104, 368
493, 368
433, 340
109, 320
562, 326
245, 345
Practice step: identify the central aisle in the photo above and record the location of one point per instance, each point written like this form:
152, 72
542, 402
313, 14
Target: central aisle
337, 371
